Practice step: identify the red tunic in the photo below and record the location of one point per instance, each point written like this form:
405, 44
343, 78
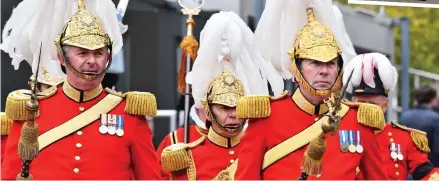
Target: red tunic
414, 160
177, 136
210, 157
4, 138
288, 119
86, 154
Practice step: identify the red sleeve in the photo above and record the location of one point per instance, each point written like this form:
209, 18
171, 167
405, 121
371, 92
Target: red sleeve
371, 162
3, 146
11, 164
415, 157
252, 152
143, 158
165, 142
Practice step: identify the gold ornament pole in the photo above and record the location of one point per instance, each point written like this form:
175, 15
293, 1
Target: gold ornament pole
312, 161
28, 146
189, 47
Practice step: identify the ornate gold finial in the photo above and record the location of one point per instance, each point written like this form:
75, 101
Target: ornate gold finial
310, 14
81, 5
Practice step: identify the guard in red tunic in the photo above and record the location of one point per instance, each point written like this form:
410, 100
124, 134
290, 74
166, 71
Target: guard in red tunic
404, 149
5, 128
223, 72
177, 136
309, 135
84, 132
189, 161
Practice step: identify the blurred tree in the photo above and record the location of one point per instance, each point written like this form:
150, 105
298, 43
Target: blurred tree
424, 31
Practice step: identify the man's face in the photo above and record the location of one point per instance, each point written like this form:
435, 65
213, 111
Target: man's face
90, 62
319, 75
226, 116
378, 100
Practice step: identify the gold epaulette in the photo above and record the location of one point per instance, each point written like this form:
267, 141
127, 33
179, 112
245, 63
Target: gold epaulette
138, 103
177, 156
16, 102
256, 106
371, 115
5, 124
419, 138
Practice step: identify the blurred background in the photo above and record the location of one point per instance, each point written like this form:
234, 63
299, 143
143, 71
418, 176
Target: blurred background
151, 52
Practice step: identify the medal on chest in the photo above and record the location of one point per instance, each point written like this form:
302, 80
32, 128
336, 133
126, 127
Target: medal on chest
359, 147
393, 153
112, 124
352, 147
400, 156
350, 141
343, 141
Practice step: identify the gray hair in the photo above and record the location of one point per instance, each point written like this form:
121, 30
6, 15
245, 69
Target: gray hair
65, 50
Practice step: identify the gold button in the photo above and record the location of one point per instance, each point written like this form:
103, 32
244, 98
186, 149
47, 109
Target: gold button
231, 161
77, 158
76, 170
390, 134
396, 165
397, 173
232, 152
391, 140
318, 176
79, 133
81, 108
78, 145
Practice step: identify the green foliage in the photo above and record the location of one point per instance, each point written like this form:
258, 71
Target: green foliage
424, 31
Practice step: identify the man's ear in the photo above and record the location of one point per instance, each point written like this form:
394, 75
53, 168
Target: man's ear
386, 105
61, 60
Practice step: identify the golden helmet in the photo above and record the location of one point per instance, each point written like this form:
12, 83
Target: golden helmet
317, 42
83, 30
225, 89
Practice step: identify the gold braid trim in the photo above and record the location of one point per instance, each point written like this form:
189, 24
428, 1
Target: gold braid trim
177, 156
5, 124
371, 115
15, 108
110, 91
16, 105
228, 173
141, 103
419, 138
192, 170
250, 107
223, 175
283, 95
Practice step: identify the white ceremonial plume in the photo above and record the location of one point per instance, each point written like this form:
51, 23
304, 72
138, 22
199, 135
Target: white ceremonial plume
40, 21
364, 65
224, 46
280, 23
